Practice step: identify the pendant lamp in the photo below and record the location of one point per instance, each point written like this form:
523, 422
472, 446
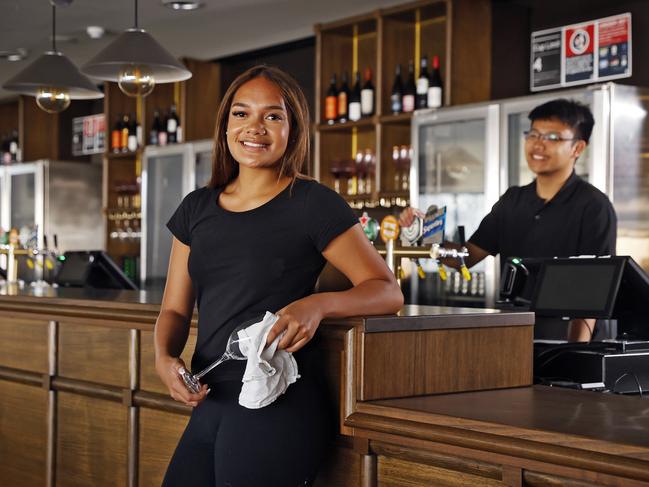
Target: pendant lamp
137, 62
53, 79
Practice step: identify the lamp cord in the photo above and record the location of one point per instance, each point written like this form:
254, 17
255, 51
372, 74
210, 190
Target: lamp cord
53, 27
136, 26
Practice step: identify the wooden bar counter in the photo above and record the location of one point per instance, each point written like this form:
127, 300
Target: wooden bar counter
434, 396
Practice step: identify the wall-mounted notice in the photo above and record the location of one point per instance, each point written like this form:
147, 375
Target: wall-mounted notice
88, 135
582, 53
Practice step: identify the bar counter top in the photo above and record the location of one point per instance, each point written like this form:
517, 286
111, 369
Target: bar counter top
410, 318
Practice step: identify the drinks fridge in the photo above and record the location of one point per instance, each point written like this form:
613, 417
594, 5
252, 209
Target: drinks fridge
169, 173
467, 156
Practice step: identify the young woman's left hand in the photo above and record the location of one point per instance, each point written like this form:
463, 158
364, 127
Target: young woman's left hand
300, 319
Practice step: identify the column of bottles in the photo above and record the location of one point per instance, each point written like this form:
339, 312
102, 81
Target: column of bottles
125, 217
426, 92
343, 104
126, 134
166, 128
401, 158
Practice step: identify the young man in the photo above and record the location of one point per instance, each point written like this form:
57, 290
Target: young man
556, 215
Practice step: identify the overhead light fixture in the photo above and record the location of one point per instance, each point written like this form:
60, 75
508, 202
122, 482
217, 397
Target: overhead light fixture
183, 4
15, 55
53, 79
136, 61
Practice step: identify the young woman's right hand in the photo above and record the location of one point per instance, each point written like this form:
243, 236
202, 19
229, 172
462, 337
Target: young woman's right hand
407, 216
169, 369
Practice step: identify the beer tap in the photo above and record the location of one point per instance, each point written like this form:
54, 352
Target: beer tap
437, 253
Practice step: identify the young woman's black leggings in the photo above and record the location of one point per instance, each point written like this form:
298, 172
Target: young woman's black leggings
227, 445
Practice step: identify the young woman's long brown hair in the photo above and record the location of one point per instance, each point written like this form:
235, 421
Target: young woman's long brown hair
224, 167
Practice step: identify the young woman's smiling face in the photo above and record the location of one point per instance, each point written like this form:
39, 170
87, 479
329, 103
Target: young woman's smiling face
258, 124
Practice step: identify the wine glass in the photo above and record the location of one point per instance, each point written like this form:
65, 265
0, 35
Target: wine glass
232, 352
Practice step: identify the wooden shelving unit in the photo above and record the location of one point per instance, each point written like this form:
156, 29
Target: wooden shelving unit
196, 102
381, 40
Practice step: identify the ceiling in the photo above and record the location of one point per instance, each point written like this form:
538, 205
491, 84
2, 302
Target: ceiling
220, 28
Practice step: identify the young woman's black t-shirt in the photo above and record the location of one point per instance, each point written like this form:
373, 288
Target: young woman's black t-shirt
243, 264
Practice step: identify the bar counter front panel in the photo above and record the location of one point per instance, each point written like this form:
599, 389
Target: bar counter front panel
434, 396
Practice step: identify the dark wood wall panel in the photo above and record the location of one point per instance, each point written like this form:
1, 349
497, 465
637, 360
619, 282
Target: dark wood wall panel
471, 51
416, 363
23, 435
202, 94
91, 442
94, 354
39, 131
159, 435
23, 344
149, 380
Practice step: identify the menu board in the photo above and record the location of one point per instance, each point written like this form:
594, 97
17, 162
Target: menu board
582, 53
88, 135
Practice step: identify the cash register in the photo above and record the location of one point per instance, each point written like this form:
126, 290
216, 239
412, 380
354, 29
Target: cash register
614, 288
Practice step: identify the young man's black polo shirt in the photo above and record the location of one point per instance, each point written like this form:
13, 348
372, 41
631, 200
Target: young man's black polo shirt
579, 220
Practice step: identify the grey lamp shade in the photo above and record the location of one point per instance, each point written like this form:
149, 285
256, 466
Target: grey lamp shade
53, 70
136, 47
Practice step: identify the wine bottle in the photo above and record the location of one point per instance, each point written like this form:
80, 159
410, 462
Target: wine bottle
355, 100
116, 135
367, 95
410, 90
4, 149
131, 141
14, 146
172, 126
124, 131
162, 133
155, 128
436, 88
343, 99
331, 102
397, 92
422, 84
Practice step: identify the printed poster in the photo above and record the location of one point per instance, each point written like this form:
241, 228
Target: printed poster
546, 59
587, 52
579, 61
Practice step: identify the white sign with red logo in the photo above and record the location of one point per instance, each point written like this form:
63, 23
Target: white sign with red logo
591, 51
88, 135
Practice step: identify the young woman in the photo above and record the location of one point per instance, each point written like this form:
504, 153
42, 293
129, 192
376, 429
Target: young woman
255, 240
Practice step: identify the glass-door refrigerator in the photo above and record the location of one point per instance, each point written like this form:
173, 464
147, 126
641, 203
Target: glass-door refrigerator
54, 198
456, 154
169, 173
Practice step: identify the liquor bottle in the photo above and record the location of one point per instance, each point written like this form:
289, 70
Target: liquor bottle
116, 135
132, 135
397, 92
155, 128
367, 95
4, 149
343, 99
422, 84
14, 147
172, 126
331, 102
162, 133
409, 91
355, 100
370, 163
436, 88
124, 139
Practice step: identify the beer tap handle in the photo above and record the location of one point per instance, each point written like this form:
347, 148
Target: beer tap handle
463, 268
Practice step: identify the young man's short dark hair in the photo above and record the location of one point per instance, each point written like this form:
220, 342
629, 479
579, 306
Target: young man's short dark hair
574, 114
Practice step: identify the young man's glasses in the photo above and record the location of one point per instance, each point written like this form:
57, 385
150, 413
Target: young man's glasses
534, 136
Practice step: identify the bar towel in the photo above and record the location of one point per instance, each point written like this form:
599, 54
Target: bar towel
269, 371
